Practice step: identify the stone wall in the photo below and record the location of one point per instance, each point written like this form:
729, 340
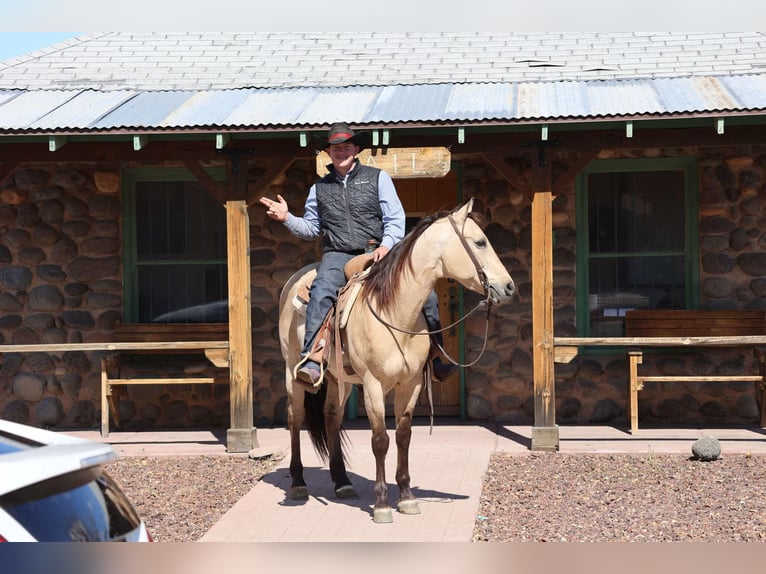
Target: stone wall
61, 280
732, 208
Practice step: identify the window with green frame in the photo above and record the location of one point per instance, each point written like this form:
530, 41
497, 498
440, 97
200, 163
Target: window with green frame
174, 236
636, 240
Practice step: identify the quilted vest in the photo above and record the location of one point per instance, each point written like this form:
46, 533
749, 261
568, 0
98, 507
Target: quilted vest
349, 215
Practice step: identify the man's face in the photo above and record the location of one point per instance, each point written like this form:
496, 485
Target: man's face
342, 156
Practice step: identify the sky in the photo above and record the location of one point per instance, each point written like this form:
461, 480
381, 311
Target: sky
42, 17
17, 43
391, 15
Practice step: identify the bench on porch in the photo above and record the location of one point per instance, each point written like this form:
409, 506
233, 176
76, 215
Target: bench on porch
676, 328
212, 339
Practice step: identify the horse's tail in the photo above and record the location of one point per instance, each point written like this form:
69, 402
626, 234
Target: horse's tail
315, 421
316, 426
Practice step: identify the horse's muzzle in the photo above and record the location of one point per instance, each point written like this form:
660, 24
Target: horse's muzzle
502, 294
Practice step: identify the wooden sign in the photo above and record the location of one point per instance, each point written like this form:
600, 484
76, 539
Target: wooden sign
400, 163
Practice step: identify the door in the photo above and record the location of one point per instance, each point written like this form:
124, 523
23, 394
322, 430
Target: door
422, 197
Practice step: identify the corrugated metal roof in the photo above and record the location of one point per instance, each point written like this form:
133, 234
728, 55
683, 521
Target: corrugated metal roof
253, 109
122, 81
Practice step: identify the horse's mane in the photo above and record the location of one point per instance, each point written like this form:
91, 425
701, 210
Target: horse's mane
383, 278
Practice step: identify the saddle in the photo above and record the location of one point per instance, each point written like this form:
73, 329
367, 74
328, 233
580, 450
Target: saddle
336, 319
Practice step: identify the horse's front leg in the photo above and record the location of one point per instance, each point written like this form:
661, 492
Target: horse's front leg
404, 405
334, 419
295, 417
376, 410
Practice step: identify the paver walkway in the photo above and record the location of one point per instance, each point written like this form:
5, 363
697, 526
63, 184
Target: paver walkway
447, 468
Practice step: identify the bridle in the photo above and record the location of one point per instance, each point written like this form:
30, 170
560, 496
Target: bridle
482, 274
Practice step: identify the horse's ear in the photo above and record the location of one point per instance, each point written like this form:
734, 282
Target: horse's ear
462, 212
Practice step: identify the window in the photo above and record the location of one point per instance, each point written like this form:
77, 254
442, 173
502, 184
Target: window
175, 249
638, 250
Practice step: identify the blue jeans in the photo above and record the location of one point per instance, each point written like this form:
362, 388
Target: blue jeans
324, 291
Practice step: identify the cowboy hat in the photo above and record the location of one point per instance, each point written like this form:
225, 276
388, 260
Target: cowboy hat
340, 133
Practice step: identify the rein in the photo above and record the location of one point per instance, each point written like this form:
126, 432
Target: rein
484, 283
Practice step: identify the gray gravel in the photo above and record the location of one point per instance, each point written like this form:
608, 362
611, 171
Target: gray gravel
614, 498
181, 497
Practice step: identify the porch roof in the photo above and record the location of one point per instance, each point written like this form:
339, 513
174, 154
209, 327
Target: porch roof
117, 82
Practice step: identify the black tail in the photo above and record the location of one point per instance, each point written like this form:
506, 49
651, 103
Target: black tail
316, 424
315, 421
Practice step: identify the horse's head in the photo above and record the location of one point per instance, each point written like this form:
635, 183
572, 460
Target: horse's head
469, 258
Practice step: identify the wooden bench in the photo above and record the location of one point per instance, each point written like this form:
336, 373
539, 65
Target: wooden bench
212, 339
671, 328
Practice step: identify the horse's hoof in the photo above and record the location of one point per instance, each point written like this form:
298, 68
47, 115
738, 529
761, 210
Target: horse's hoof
382, 515
299, 493
408, 506
346, 492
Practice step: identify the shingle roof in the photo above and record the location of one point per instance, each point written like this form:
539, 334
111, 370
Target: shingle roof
158, 81
219, 60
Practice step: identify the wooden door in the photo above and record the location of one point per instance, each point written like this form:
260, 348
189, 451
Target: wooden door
421, 197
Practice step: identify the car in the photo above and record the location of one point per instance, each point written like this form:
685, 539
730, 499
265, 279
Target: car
53, 488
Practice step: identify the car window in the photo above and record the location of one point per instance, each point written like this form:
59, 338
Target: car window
80, 506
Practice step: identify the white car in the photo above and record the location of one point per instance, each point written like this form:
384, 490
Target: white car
53, 488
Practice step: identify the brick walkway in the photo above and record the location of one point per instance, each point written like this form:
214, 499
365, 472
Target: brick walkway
447, 468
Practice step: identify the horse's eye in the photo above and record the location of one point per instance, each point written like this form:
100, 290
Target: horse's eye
481, 243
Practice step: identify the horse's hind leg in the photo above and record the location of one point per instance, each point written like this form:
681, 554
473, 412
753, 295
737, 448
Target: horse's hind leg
334, 417
404, 407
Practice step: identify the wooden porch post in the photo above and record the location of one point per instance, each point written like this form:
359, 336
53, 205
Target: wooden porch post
545, 433
241, 437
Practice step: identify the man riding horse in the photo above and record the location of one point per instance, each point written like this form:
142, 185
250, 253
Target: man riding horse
351, 206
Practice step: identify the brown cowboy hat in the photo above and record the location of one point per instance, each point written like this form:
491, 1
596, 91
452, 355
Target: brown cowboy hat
340, 132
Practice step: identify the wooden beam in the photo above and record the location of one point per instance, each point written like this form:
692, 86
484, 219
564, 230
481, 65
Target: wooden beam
140, 142
572, 172
213, 186
241, 437
510, 143
256, 190
55, 143
511, 176
222, 140
6, 171
545, 432
158, 151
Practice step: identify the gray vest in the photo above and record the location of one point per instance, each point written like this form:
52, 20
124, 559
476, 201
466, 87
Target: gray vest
350, 215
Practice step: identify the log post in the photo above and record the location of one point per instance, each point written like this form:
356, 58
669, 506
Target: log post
545, 433
241, 437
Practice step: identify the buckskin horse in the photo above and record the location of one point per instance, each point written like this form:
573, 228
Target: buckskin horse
385, 343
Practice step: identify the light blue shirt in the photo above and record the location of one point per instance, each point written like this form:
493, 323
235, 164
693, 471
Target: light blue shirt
308, 226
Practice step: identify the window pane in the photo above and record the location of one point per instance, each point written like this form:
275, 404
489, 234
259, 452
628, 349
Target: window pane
626, 209
180, 253
619, 284
637, 254
182, 293
178, 218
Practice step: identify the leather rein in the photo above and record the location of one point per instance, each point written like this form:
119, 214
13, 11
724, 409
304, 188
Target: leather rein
487, 301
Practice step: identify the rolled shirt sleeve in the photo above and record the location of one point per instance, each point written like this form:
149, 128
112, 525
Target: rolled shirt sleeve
306, 227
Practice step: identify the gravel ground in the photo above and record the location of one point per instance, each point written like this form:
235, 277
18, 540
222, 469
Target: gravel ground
531, 497
616, 498
181, 497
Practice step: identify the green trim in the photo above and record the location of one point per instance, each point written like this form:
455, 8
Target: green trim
691, 203
532, 126
129, 178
